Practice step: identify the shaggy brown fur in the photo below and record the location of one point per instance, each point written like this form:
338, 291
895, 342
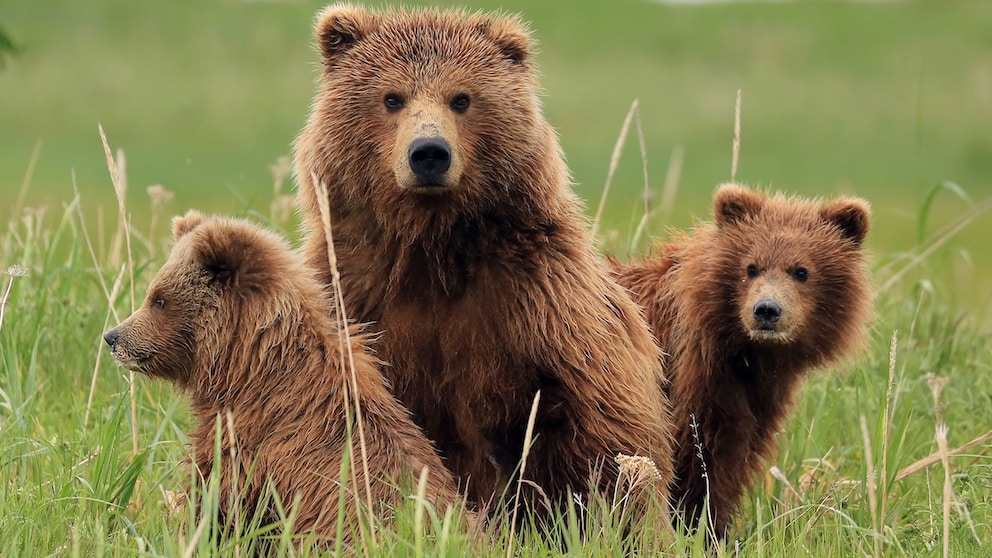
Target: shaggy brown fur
742, 308
476, 265
236, 321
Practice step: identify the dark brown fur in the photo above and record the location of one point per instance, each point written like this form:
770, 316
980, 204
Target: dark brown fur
732, 374
486, 285
239, 324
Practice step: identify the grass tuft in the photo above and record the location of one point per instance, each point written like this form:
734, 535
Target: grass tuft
90, 457
119, 180
614, 161
345, 349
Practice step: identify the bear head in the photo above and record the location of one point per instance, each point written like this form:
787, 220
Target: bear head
222, 275
794, 267
424, 109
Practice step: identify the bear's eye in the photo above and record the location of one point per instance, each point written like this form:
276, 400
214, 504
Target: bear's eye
752, 271
393, 101
460, 102
801, 274
159, 303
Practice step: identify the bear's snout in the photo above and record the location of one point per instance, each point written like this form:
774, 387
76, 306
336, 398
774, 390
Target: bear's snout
767, 312
429, 159
111, 337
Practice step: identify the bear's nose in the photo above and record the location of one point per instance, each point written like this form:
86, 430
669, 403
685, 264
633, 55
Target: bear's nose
429, 159
767, 311
111, 337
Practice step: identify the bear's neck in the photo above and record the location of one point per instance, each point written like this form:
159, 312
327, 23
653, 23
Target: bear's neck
259, 372
447, 261
378, 264
768, 376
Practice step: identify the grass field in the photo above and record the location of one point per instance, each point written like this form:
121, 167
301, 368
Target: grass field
880, 100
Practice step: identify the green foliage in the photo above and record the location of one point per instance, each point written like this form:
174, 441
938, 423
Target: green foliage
77, 485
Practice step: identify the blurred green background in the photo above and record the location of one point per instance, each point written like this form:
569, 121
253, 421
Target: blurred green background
881, 99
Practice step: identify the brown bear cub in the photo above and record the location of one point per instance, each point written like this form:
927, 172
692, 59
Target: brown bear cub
741, 309
238, 323
458, 236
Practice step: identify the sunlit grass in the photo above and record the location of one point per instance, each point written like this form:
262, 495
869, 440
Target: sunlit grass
856, 472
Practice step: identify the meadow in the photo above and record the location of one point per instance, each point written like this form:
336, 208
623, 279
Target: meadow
890, 101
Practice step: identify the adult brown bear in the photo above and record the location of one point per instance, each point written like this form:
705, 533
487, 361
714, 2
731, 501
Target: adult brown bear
458, 236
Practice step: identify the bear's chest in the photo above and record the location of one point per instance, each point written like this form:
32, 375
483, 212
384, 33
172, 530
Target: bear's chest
462, 367
468, 355
475, 341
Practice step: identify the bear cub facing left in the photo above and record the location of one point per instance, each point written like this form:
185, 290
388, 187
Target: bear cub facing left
236, 321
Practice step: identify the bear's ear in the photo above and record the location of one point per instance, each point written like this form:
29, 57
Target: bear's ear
340, 26
186, 223
510, 35
234, 255
733, 203
851, 215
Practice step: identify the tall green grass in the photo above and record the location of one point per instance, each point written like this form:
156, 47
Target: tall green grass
91, 456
